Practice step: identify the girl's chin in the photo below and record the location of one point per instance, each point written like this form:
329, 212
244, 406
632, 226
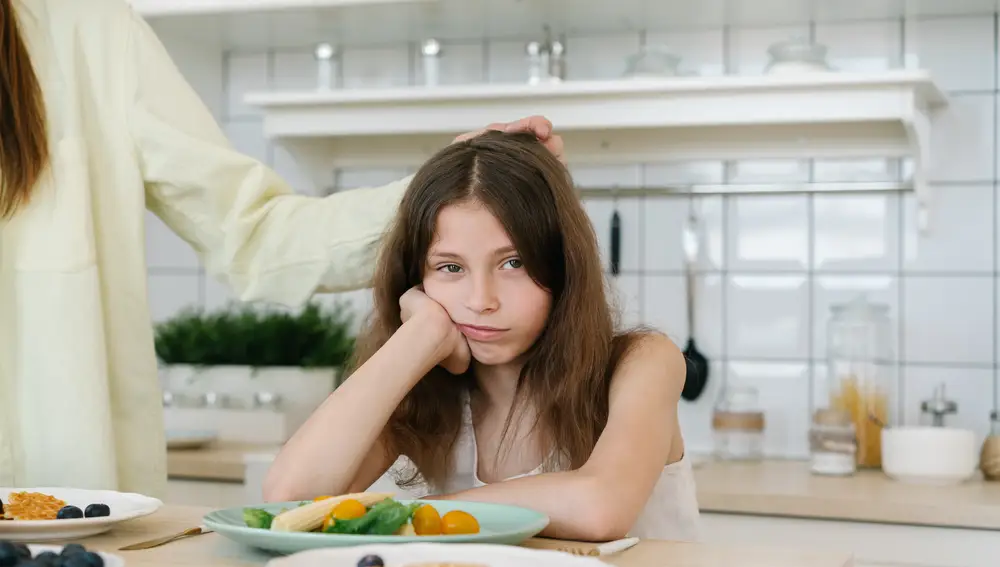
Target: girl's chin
493, 355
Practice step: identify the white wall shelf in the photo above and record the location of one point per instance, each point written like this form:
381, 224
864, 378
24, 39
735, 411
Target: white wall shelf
835, 115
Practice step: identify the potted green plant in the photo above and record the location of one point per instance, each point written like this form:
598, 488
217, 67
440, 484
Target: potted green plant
241, 350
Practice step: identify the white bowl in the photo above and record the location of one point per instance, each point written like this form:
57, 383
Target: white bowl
929, 455
393, 554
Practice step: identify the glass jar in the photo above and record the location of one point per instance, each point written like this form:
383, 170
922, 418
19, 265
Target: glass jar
796, 55
326, 60
832, 443
738, 424
860, 371
653, 61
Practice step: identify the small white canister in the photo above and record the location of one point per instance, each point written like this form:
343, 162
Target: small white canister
833, 443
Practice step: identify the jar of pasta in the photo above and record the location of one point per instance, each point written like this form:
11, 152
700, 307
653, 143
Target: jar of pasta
861, 372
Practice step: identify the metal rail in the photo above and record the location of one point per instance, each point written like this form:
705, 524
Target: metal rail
748, 189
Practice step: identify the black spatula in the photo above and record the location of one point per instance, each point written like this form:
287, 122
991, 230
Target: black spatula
697, 364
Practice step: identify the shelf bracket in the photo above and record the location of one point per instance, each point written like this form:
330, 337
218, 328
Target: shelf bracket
918, 128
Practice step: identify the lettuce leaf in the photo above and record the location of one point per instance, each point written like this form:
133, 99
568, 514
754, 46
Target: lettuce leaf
384, 518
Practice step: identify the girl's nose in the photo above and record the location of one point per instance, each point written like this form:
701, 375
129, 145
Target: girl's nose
483, 297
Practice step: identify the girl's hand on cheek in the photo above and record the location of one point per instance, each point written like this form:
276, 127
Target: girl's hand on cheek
455, 356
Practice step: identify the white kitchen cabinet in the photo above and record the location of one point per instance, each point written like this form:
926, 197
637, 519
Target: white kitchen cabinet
873, 545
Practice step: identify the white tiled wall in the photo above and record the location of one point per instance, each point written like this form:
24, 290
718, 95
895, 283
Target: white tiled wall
769, 266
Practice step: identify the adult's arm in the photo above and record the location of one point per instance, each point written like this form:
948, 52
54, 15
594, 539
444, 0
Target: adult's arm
250, 229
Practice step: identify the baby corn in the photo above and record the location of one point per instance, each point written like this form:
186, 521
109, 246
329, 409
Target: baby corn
310, 517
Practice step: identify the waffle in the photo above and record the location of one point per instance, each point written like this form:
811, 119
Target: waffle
31, 506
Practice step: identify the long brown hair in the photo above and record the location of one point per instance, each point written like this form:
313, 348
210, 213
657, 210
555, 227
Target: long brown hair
24, 149
567, 371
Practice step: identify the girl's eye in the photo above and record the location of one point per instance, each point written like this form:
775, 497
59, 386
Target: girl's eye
451, 268
514, 263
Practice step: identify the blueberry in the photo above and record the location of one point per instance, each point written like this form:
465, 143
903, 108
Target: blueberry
97, 511
83, 559
47, 558
72, 548
91, 559
75, 560
371, 561
22, 551
69, 513
8, 554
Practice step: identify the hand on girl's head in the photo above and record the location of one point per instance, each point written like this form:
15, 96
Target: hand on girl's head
540, 126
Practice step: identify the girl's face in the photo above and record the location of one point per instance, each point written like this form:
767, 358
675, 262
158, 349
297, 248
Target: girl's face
475, 273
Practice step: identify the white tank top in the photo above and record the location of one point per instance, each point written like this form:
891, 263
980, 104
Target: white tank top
671, 513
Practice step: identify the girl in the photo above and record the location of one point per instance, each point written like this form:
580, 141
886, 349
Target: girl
492, 364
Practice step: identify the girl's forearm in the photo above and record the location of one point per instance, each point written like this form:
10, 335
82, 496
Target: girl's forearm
578, 505
325, 454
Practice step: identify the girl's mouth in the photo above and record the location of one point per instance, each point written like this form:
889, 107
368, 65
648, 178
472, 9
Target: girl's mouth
480, 333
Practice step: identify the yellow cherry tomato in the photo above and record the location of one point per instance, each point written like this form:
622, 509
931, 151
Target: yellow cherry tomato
318, 498
458, 522
427, 521
348, 510
328, 522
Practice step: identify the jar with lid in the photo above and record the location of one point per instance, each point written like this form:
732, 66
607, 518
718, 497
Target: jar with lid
861, 374
653, 61
797, 55
738, 424
832, 443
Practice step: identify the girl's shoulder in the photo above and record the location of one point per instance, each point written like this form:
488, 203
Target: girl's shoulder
644, 355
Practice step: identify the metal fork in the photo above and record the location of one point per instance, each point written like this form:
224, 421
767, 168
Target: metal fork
149, 544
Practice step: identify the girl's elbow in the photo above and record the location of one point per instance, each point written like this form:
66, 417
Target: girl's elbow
604, 527
614, 519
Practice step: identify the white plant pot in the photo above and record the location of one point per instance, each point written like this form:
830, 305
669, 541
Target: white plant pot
301, 391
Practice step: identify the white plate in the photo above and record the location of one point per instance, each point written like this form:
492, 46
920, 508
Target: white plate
124, 506
402, 554
109, 560
182, 439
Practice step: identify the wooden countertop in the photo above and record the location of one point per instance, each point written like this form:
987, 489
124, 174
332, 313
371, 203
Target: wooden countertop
768, 488
786, 488
219, 461
212, 550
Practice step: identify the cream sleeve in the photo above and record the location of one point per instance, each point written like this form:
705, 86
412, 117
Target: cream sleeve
249, 228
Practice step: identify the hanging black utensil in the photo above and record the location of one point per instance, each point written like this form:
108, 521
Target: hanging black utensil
697, 364
616, 242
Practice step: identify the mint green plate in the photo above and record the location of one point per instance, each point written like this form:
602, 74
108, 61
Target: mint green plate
498, 524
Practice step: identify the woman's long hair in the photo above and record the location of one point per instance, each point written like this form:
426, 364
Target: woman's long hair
567, 371
23, 138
